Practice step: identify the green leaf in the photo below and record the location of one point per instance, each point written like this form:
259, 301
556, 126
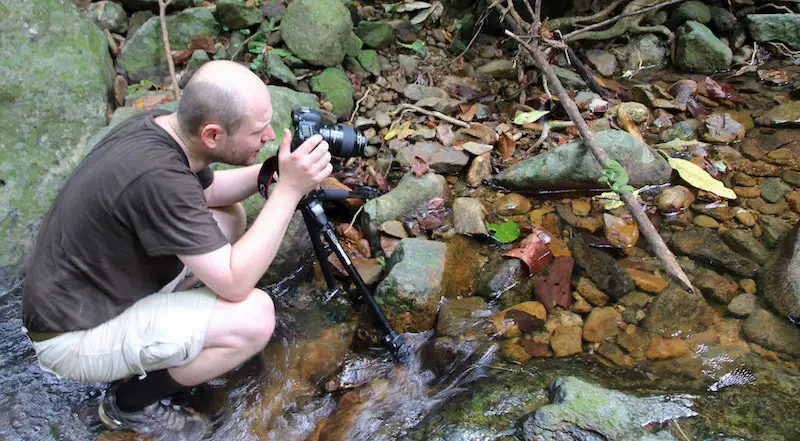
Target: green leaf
529, 117
418, 47
144, 84
257, 63
285, 53
245, 31
506, 232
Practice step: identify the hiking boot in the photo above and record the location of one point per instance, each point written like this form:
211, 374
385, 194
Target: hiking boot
163, 420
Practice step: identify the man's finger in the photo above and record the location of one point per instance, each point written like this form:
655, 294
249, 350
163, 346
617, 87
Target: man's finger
308, 145
286, 143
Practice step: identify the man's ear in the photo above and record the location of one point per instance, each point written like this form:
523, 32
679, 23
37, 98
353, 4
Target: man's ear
210, 135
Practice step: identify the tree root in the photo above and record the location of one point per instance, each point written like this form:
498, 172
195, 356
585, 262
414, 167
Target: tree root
629, 21
571, 22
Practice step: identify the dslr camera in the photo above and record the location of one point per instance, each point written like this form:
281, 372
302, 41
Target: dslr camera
342, 141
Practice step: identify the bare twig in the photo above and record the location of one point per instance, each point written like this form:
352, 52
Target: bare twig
440, 115
546, 131
618, 18
590, 141
243, 45
471, 41
358, 104
162, 12
559, 23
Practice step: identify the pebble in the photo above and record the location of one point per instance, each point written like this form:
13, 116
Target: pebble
705, 221
743, 305
581, 207
382, 119
744, 180
746, 218
794, 201
647, 282
674, 199
512, 204
791, 177
748, 285
747, 192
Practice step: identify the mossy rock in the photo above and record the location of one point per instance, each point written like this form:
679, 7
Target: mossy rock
335, 86
317, 31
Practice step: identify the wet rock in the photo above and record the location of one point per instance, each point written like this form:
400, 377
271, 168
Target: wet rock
748, 285
695, 313
108, 15
408, 63
277, 70
579, 304
317, 31
368, 59
644, 50
744, 180
794, 201
772, 332
476, 148
791, 177
634, 341
572, 166
468, 217
375, 34
774, 190
691, 10
746, 218
142, 57
715, 287
638, 112
479, 170
416, 92
784, 28
621, 231
664, 348
773, 230
511, 204
686, 130
704, 221
604, 62
783, 115
581, 207
602, 324
699, 50
237, 14
569, 79
580, 411
590, 292
410, 292
674, 199
780, 280
646, 281
448, 161
459, 316
707, 247
743, 305
506, 281
566, 341
722, 20
410, 194
335, 86
747, 192
497, 69
603, 269
722, 128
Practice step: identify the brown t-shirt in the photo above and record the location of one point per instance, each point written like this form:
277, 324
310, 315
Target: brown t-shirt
115, 229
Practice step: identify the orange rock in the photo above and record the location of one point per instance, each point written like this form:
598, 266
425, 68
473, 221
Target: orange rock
601, 324
566, 341
647, 282
663, 348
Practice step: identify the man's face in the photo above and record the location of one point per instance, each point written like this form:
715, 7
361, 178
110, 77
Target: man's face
242, 146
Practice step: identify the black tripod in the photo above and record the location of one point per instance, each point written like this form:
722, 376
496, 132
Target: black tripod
319, 227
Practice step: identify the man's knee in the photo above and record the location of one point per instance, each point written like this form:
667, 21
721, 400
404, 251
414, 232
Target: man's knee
232, 220
260, 316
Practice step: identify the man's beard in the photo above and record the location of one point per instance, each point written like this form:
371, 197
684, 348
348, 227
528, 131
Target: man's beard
236, 157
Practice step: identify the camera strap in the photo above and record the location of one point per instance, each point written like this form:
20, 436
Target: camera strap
267, 175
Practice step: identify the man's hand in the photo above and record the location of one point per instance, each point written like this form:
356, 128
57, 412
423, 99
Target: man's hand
302, 170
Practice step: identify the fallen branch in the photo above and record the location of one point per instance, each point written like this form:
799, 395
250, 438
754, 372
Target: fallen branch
568, 22
619, 17
162, 12
358, 104
590, 141
404, 107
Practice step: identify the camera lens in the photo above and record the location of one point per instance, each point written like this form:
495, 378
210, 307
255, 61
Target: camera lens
344, 141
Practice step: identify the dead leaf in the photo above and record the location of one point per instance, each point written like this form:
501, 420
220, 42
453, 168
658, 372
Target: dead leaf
610, 84
775, 76
535, 349
480, 131
555, 288
696, 109
203, 43
180, 57
468, 114
420, 167
445, 135
627, 124
525, 321
507, 146
533, 250
695, 176
713, 89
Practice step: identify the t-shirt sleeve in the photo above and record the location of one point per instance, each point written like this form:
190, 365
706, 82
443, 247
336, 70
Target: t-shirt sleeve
206, 177
167, 211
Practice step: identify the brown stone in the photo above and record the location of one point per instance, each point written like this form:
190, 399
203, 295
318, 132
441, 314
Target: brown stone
480, 169
511, 204
601, 324
581, 207
716, 287
747, 192
663, 348
647, 282
794, 201
746, 218
774, 209
591, 223
512, 351
704, 221
621, 230
580, 305
744, 180
613, 352
634, 341
589, 291
674, 199
756, 168
537, 216
566, 341
748, 286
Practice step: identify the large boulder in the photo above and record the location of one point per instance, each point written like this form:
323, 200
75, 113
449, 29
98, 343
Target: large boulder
784, 28
317, 31
142, 57
55, 78
780, 280
699, 50
237, 14
573, 166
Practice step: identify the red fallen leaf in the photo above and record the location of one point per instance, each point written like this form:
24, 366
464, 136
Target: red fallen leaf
697, 110
535, 349
180, 57
420, 167
533, 250
713, 89
380, 180
555, 288
525, 321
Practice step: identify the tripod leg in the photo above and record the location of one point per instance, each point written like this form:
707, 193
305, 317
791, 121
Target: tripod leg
322, 256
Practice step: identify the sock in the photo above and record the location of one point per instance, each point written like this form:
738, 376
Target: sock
136, 394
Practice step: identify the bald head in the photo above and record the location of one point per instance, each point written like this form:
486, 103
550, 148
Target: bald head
220, 92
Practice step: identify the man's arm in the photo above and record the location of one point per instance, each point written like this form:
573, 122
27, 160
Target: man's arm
232, 186
233, 270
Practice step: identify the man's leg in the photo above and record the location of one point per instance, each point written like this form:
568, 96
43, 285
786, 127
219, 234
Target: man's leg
236, 332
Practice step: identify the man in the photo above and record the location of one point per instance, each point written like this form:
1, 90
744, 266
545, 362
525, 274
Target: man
140, 212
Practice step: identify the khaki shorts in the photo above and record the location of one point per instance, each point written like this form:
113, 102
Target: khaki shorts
163, 330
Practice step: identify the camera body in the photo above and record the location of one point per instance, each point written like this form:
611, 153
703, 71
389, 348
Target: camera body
342, 141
